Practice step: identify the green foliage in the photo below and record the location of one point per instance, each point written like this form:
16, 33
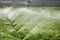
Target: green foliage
29, 28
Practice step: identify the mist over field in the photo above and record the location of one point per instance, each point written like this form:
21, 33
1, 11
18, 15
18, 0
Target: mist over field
29, 19
30, 23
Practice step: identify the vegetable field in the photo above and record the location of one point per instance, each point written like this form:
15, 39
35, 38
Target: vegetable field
30, 23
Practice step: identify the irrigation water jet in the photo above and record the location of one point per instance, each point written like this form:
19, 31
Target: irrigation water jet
11, 13
28, 17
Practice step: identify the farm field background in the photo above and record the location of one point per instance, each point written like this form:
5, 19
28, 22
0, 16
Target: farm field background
30, 23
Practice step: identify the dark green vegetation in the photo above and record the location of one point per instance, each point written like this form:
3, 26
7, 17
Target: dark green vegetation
25, 27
